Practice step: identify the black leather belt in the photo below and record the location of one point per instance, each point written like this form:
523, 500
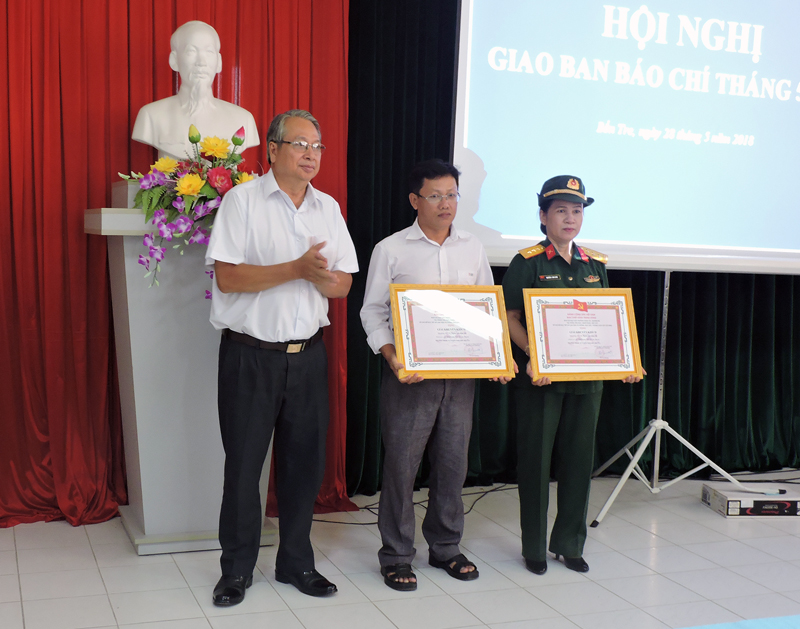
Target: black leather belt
292, 347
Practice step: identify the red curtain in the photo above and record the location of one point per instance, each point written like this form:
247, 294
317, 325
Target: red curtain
73, 78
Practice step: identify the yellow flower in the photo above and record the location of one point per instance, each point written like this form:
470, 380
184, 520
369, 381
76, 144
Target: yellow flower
215, 147
189, 184
242, 177
166, 165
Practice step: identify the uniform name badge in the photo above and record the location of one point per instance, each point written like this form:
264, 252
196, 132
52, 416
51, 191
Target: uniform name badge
582, 333
449, 331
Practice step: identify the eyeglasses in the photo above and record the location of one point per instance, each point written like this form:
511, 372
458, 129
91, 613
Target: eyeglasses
436, 199
302, 146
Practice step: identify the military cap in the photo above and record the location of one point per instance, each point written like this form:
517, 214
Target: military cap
566, 188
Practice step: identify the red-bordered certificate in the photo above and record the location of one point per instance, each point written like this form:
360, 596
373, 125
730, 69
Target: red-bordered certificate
451, 331
582, 333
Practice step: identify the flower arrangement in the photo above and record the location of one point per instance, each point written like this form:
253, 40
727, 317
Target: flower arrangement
180, 198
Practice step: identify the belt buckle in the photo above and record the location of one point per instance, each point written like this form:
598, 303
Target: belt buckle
294, 348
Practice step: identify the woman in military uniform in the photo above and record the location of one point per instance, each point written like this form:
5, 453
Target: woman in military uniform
555, 421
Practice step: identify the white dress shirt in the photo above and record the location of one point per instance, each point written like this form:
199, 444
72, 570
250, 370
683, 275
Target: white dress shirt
258, 223
410, 257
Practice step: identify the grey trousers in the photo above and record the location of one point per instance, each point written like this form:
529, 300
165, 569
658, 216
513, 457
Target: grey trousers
436, 414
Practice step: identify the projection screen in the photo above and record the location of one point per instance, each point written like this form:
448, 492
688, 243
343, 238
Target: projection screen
682, 118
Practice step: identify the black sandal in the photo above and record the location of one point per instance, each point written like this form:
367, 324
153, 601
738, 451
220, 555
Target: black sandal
455, 571
392, 573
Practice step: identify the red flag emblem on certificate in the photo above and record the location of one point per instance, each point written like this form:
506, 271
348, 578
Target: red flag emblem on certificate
580, 305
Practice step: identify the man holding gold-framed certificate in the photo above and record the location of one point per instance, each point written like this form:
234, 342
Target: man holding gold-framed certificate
419, 412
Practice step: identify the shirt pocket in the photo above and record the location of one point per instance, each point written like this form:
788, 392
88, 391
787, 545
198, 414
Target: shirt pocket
466, 277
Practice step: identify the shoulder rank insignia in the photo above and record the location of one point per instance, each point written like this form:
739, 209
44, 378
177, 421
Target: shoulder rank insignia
596, 255
529, 252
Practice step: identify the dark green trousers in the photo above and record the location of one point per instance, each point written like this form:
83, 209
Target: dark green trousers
557, 427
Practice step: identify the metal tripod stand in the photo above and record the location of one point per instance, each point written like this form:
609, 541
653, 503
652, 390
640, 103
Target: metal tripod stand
654, 429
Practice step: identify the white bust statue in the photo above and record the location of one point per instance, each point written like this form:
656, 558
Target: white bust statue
165, 123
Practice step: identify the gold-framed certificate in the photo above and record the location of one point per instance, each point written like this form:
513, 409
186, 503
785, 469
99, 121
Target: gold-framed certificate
449, 331
582, 333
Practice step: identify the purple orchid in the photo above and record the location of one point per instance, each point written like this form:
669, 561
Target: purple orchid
199, 237
145, 262
157, 253
210, 274
183, 224
201, 210
159, 217
148, 241
166, 231
152, 180
208, 294
179, 204
206, 208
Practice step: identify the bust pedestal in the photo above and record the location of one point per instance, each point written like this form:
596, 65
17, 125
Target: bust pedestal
167, 362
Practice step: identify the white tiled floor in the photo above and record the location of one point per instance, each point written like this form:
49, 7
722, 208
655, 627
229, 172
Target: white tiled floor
657, 560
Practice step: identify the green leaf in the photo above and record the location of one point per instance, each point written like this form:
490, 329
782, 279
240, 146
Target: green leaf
148, 274
208, 191
160, 193
234, 159
157, 284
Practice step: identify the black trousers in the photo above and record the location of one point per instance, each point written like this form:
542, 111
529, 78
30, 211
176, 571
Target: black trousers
261, 390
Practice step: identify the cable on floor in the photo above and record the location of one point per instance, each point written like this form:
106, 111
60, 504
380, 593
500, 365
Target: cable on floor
373, 507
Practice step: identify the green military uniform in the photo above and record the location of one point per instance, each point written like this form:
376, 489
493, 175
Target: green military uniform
558, 419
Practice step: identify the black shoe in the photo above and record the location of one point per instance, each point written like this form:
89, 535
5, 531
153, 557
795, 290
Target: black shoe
230, 590
575, 563
310, 582
537, 567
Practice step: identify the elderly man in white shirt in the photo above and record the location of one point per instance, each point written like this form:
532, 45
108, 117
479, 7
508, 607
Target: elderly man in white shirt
418, 413
280, 250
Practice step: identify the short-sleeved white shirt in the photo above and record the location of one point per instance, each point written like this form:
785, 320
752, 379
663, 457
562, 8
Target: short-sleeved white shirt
410, 257
257, 223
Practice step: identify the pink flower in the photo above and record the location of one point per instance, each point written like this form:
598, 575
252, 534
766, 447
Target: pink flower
148, 241
238, 137
208, 294
159, 216
220, 179
145, 262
